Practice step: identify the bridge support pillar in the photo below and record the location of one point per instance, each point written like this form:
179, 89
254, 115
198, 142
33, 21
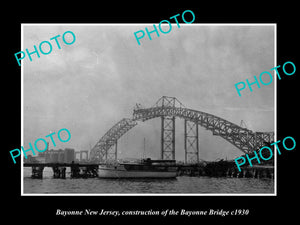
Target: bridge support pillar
191, 142
168, 137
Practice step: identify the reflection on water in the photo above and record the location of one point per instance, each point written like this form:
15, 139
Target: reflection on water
182, 184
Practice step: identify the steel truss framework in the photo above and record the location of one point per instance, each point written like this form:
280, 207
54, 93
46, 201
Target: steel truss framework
191, 142
168, 108
104, 150
168, 137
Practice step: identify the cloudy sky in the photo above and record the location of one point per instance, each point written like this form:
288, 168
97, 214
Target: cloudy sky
90, 85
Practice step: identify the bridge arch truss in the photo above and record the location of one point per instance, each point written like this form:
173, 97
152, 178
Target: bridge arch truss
168, 108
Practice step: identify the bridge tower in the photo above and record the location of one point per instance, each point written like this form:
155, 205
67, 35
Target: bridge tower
168, 137
168, 127
191, 142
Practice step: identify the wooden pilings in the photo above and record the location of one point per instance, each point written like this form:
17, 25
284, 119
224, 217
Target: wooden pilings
211, 169
59, 170
84, 172
251, 173
226, 169
37, 172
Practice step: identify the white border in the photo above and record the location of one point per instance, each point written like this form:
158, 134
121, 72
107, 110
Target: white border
151, 194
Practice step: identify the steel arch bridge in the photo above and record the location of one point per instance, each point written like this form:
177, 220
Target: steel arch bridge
168, 108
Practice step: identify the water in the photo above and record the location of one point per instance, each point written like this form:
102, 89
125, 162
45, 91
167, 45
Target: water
180, 185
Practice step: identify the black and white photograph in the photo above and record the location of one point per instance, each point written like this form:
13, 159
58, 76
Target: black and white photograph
148, 116
137, 113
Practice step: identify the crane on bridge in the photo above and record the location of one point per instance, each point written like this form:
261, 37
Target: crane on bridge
243, 124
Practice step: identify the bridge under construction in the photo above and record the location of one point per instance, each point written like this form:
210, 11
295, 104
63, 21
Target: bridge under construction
167, 109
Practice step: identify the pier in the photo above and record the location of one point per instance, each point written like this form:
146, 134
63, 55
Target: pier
78, 170
226, 169
211, 169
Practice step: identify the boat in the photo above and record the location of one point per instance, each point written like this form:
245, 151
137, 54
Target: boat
145, 168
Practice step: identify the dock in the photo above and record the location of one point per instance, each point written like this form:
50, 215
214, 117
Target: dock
226, 169
78, 170
210, 169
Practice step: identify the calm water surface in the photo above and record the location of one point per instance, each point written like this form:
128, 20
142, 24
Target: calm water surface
182, 184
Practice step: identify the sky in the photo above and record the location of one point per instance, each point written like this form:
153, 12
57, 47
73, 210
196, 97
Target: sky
92, 84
